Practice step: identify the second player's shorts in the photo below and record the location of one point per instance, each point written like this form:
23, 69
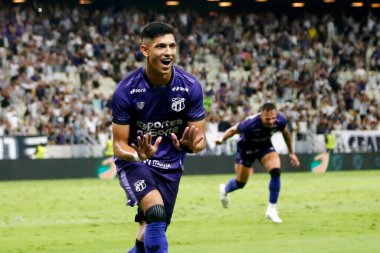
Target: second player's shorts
248, 155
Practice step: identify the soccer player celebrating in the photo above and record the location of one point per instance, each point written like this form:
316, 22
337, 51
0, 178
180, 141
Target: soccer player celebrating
255, 143
158, 117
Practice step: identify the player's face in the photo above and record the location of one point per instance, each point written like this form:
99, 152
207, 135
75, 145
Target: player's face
160, 52
268, 118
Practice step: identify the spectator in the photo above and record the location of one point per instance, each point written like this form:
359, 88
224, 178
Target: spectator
60, 57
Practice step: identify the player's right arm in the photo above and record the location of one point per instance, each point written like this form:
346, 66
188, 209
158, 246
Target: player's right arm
144, 148
120, 143
227, 134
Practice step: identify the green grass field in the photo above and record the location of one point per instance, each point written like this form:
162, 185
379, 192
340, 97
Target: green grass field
333, 212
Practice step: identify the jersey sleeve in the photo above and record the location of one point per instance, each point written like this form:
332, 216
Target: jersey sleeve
196, 110
244, 125
282, 122
121, 113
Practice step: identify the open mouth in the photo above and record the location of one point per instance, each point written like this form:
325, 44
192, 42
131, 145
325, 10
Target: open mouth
166, 62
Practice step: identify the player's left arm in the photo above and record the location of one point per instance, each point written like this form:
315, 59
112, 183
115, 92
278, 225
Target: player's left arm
200, 135
288, 140
193, 139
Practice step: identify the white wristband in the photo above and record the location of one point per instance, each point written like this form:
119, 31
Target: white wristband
136, 157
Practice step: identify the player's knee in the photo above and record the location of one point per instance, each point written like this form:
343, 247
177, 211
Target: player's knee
156, 213
276, 172
240, 184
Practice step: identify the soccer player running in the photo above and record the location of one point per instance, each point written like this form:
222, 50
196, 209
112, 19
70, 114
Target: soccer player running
158, 117
255, 143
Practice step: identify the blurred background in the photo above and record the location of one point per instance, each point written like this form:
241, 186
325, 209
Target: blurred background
317, 60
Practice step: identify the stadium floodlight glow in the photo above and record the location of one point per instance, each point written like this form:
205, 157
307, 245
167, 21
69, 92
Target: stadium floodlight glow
328, 1
375, 5
213, 0
18, 1
357, 4
85, 1
261, 1
225, 4
172, 3
298, 4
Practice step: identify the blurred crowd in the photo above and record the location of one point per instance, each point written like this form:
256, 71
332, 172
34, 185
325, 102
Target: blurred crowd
60, 65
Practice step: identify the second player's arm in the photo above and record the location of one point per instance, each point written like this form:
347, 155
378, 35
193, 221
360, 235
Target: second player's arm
288, 140
227, 134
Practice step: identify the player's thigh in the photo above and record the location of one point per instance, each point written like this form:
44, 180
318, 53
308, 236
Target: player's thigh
169, 191
245, 157
271, 160
150, 199
242, 172
140, 184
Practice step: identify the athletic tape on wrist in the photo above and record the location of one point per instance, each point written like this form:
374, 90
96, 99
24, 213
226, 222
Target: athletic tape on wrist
136, 157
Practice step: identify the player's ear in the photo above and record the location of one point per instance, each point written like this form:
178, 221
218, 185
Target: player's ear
144, 50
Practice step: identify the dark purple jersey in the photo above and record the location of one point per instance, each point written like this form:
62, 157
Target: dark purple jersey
160, 111
252, 130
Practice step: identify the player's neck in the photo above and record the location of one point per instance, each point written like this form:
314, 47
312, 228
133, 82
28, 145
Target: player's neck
157, 79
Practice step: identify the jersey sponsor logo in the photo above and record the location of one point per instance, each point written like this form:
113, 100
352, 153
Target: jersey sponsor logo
158, 164
159, 128
140, 105
133, 91
178, 104
261, 139
180, 89
140, 185
161, 165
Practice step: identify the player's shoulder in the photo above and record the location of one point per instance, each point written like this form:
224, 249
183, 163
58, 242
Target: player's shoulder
254, 117
281, 119
251, 121
132, 79
185, 77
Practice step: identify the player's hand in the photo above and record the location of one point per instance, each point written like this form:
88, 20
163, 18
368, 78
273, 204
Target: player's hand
294, 160
189, 140
219, 141
144, 147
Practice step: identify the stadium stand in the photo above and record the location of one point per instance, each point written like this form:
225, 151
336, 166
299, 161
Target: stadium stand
58, 68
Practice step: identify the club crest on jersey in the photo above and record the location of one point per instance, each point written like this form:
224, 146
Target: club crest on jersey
140, 185
140, 105
178, 104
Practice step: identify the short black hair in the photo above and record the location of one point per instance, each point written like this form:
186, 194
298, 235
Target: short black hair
155, 29
268, 107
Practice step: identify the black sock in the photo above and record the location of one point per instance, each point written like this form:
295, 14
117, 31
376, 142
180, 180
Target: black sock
140, 245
